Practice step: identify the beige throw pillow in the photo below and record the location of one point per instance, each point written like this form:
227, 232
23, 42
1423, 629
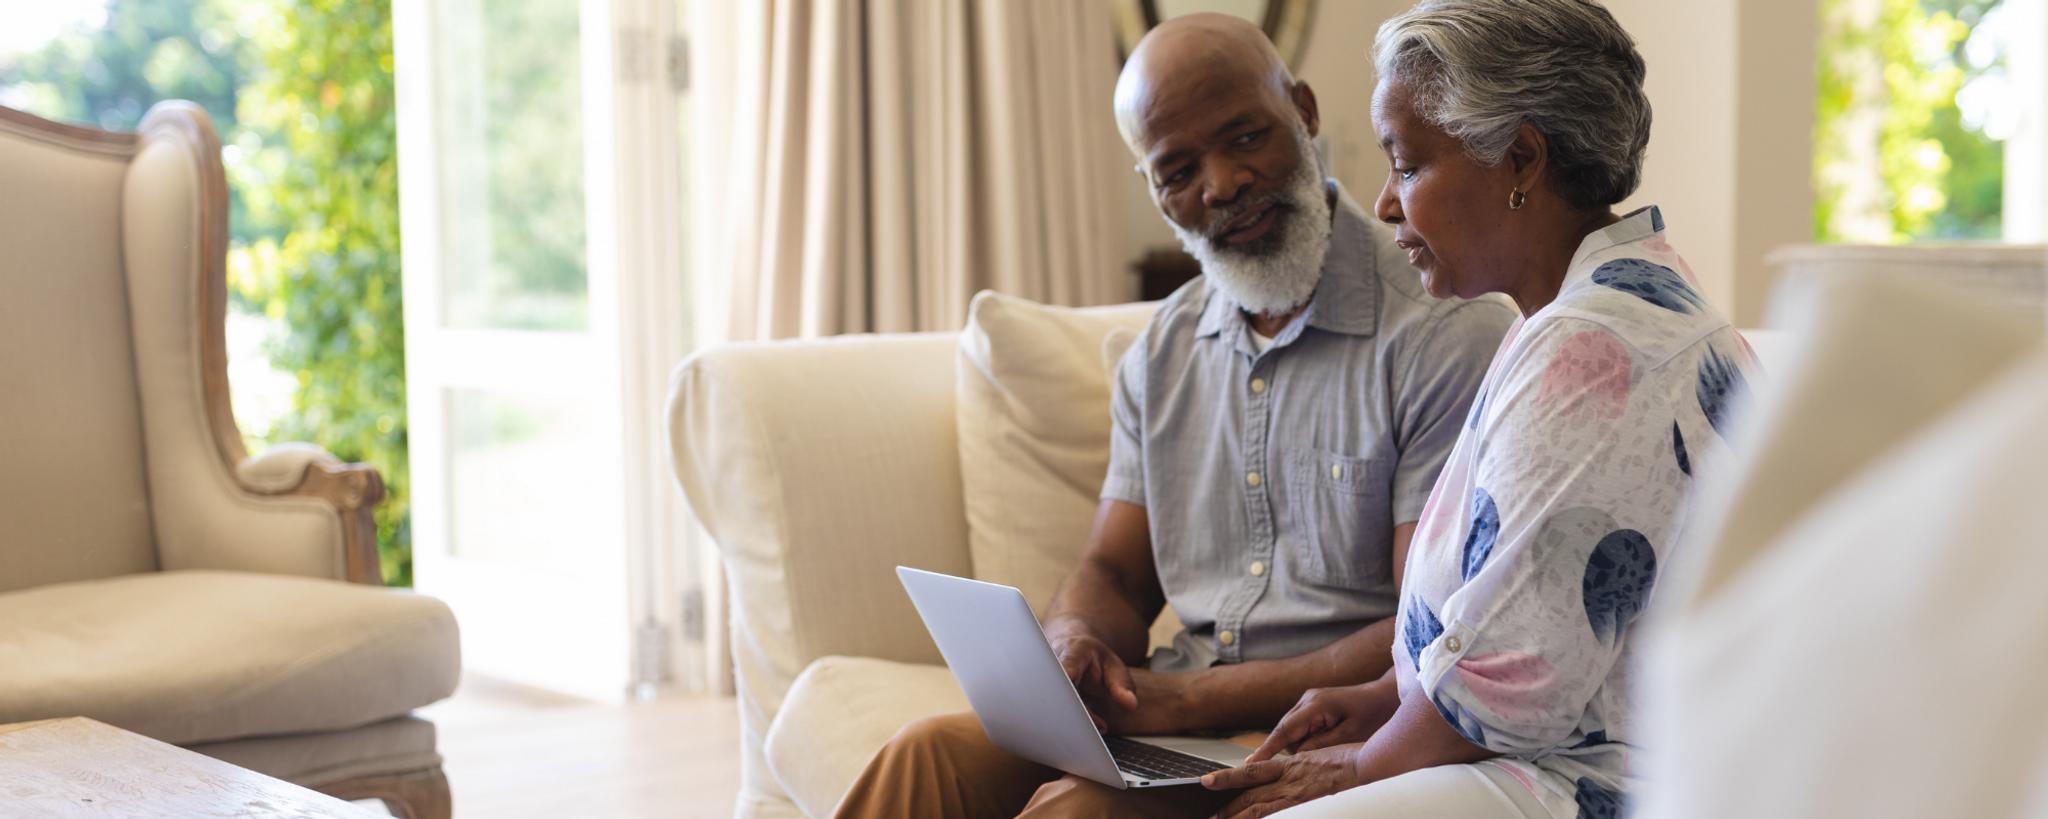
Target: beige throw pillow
1034, 434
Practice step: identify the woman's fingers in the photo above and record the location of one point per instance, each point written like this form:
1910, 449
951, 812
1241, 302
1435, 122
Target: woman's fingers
1306, 720
1249, 775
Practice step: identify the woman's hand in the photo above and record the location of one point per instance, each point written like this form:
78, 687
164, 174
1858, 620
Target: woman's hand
1332, 716
1284, 783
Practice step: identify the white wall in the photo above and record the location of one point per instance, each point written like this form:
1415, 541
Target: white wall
1730, 155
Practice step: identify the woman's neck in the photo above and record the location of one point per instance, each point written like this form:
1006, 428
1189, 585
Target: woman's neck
1546, 269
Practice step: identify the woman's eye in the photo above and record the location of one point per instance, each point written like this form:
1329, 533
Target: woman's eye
1406, 173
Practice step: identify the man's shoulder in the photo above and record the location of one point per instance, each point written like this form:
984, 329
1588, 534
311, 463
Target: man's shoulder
1178, 315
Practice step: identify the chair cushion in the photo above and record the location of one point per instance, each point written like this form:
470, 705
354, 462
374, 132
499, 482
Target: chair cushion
198, 656
399, 745
1033, 406
840, 713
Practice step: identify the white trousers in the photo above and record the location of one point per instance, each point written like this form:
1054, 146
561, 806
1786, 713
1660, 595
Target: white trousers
1477, 791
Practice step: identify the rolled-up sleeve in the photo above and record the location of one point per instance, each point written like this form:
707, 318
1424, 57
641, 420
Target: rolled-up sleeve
1126, 479
1434, 394
1552, 579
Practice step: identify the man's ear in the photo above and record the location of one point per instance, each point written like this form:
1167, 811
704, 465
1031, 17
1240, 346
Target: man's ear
1528, 156
1304, 99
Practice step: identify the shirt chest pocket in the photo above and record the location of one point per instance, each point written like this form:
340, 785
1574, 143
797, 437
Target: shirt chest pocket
1342, 506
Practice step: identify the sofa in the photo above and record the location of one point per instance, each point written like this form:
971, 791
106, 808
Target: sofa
1854, 629
819, 466
154, 575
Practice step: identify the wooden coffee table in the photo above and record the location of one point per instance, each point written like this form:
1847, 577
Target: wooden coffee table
82, 767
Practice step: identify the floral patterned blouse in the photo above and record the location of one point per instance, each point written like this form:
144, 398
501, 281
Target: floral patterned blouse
1565, 493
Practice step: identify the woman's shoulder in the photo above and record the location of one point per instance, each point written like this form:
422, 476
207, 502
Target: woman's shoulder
1645, 298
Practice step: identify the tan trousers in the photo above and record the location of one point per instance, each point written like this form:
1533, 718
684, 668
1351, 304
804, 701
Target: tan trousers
944, 766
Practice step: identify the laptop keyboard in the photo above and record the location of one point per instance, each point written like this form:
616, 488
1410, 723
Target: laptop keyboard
1154, 762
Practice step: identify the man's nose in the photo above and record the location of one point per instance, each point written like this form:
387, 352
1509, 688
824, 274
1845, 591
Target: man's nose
1225, 184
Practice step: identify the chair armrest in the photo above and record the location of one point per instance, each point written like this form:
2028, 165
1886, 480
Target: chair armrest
818, 467
306, 470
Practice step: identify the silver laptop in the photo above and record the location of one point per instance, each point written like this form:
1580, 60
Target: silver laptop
1024, 700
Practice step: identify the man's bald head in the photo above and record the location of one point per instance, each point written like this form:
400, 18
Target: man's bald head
1196, 59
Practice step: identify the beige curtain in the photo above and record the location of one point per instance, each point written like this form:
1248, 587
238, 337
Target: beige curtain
884, 160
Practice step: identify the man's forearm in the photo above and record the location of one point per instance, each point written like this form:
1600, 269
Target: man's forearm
1257, 693
1094, 600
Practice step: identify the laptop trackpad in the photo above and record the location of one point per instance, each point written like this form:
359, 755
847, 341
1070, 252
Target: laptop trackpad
1219, 750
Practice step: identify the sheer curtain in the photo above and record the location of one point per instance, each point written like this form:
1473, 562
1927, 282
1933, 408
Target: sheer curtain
868, 165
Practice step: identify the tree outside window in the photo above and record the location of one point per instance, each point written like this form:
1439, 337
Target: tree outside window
1914, 108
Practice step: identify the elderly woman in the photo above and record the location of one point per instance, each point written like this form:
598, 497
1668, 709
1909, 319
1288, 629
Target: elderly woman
1513, 127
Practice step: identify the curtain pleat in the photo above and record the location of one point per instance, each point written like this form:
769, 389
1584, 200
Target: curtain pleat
891, 159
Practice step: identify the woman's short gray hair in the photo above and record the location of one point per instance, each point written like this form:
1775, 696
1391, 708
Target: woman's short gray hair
1479, 68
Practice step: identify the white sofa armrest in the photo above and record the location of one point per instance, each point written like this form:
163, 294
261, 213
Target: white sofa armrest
818, 467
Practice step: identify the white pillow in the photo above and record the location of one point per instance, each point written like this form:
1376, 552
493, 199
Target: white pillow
1034, 434
1858, 628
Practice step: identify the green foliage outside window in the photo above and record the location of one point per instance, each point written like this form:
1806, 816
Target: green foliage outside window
1893, 160
324, 175
301, 91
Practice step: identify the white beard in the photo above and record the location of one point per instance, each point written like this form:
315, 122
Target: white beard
1278, 272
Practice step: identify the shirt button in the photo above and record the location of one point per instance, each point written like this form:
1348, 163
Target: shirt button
1252, 478
1454, 644
1258, 385
1226, 637
1258, 568
1336, 471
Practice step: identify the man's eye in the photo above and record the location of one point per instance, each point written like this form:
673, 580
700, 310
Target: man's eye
1248, 139
1178, 177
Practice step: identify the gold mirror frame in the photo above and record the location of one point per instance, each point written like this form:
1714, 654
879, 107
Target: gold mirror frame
1286, 24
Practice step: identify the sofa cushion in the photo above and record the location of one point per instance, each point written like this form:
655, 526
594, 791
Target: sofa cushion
1895, 633
198, 656
840, 712
1033, 406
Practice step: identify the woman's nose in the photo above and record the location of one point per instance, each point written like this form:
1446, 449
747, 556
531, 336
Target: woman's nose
1388, 207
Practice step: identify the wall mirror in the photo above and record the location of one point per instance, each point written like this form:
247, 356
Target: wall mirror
1284, 21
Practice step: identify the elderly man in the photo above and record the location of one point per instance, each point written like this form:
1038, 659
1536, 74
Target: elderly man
1278, 427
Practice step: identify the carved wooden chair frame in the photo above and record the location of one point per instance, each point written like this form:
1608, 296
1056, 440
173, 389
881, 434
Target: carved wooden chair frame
353, 490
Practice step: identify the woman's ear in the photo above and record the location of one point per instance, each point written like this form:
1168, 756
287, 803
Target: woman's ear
1528, 156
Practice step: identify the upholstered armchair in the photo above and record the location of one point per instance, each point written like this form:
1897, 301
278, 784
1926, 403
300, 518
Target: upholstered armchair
153, 575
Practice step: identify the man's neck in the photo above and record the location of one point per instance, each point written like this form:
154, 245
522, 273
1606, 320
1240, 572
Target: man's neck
1270, 324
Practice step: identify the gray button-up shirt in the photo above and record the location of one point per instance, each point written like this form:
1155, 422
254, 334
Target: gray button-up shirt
1274, 481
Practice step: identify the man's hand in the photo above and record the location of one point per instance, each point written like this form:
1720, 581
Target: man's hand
1332, 716
1121, 699
1101, 676
1279, 784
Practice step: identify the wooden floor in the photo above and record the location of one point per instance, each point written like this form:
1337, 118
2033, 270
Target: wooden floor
513, 753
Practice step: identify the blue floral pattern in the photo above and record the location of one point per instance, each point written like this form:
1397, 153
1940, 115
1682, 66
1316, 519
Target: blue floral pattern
1485, 530
1651, 282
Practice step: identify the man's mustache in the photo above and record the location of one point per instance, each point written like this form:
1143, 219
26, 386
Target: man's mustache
1283, 205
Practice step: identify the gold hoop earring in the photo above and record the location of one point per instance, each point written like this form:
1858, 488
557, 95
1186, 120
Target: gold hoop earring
1516, 199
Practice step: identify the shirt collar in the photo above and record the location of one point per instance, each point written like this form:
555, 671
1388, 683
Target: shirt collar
1346, 299
1639, 224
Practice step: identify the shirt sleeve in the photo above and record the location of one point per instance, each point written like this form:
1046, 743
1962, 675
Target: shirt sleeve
1434, 395
1552, 574
1126, 479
